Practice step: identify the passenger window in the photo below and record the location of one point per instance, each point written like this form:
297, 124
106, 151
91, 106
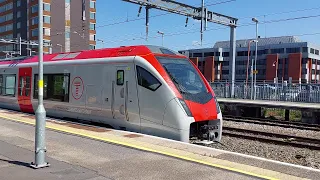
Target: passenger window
120, 77
10, 85
28, 89
147, 80
21, 85
55, 87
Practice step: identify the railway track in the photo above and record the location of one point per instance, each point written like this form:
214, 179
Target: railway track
270, 122
274, 138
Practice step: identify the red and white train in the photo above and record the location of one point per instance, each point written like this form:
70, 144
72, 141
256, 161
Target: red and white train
146, 89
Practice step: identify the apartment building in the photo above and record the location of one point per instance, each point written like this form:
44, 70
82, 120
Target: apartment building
68, 25
286, 58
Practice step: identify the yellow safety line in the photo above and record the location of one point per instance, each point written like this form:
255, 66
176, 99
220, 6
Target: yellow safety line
144, 148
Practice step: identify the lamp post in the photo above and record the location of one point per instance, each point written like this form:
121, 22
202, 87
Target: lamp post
162, 34
256, 55
60, 47
251, 68
40, 141
275, 64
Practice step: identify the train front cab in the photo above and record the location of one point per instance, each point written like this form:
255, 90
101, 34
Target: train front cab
180, 103
196, 98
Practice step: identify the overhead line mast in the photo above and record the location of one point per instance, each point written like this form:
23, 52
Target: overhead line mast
198, 13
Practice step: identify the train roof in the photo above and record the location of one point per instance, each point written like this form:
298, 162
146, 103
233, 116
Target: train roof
139, 50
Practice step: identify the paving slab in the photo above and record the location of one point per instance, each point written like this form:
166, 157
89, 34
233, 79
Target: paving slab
74, 157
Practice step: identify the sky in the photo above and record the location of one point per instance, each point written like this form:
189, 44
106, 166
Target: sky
118, 23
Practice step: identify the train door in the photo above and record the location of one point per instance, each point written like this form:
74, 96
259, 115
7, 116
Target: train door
125, 99
24, 89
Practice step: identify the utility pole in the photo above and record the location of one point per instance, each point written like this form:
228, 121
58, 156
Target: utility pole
198, 13
40, 142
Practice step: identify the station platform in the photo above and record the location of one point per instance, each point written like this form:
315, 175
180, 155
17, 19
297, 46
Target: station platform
271, 104
75, 151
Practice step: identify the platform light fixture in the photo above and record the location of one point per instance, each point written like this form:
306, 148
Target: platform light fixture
256, 56
162, 34
40, 141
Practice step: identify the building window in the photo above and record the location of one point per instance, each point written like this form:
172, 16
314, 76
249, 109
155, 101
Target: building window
92, 4
5, 28
206, 54
18, 35
293, 50
225, 54
92, 15
197, 55
34, 32
46, 7
46, 31
56, 87
18, 14
305, 49
92, 37
34, 21
46, 19
92, 47
277, 51
18, 25
34, 9
311, 50
18, 3
6, 7
317, 52
5, 18
92, 26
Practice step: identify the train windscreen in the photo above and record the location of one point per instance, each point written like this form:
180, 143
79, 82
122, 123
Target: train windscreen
186, 79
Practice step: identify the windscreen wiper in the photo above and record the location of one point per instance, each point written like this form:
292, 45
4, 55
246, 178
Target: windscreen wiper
181, 88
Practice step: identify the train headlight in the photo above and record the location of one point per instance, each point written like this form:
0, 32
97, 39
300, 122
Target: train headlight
185, 107
217, 105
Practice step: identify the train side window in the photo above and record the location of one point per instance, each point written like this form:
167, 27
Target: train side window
10, 85
55, 87
147, 80
21, 85
28, 83
120, 77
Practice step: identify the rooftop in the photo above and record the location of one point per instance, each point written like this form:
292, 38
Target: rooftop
261, 41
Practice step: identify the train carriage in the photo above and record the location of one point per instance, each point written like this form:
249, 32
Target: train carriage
147, 89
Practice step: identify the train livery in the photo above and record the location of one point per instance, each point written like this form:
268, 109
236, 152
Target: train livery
147, 89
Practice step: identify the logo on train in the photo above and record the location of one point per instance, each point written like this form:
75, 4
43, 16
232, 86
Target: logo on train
77, 88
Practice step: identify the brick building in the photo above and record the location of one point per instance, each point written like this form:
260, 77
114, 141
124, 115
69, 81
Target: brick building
283, 57
66, 27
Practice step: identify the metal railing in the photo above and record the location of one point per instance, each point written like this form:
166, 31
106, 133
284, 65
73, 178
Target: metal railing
294, 92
